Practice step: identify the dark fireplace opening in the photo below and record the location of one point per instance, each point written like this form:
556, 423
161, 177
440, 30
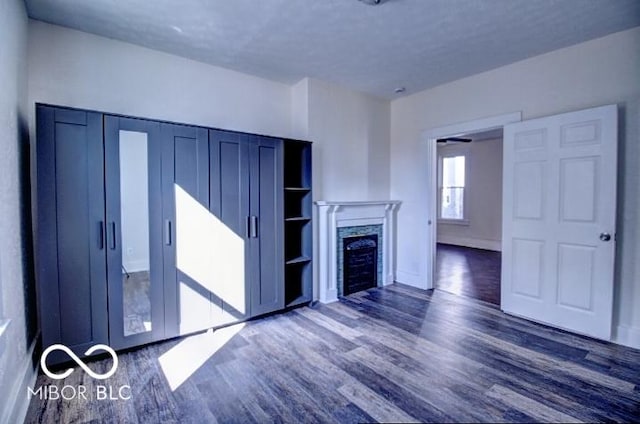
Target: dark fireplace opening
360, 263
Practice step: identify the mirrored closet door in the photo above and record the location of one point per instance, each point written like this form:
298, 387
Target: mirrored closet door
134, 231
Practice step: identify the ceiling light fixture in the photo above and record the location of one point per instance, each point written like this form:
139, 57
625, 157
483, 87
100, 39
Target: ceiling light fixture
372, 2
400, 90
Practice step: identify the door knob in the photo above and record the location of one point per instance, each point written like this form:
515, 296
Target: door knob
605, 236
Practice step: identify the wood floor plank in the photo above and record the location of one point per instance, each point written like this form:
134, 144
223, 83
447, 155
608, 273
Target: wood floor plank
311, 380
375, 405
551, 364
351, 413
534, 409
339, 307
330, 324
420, 384
553, 396
285, 384
511, 370
151, 395
386, 354
219, 399
399, 395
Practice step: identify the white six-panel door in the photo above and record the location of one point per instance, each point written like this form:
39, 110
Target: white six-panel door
559, 206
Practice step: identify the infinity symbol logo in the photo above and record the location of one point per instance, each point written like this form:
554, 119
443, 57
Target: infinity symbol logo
78, 361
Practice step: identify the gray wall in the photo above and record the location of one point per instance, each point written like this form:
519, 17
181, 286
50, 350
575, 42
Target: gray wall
483, 208
16, 254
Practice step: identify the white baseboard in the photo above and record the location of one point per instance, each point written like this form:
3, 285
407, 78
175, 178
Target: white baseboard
330, 296
388, 280
410, 279
476, 243
628, 336
18, 402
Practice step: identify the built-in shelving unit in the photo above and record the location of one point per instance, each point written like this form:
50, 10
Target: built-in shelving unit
298, 225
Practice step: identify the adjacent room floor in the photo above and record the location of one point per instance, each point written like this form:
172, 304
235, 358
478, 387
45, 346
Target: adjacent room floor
470, 272
386, 354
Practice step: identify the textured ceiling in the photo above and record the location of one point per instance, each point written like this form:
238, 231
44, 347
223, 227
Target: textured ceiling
415, 44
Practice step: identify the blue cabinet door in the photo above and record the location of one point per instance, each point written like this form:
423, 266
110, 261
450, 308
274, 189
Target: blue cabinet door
71, 270
186, 229
267, 232
229, 209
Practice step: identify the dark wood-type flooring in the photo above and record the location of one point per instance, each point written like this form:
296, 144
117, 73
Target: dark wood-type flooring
386, 354
469, 272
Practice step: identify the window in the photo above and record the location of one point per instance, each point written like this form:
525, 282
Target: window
452, 187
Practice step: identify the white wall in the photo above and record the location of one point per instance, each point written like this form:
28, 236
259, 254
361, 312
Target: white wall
350, 131
483, 207
73, 68
598, 72
300, 109
16, 273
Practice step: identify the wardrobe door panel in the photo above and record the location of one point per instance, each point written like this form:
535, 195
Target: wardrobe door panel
134, 227
266, 243
71, 257
191, 166
187, 255
229, 209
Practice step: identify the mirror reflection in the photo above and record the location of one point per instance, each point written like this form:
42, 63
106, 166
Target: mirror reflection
134, 216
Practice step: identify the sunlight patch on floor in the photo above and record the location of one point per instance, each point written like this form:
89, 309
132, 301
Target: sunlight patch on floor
180, 362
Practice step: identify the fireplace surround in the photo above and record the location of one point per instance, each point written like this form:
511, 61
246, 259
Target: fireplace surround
337, 220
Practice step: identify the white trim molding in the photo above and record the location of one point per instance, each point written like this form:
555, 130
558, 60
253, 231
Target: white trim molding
409, 279
428, 206
334, 215
627, 335
18, 401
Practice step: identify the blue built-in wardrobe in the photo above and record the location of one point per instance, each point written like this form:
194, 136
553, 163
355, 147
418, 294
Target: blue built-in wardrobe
148, 230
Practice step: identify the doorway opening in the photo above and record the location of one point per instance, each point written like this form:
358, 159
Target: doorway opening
469, 214
429, 203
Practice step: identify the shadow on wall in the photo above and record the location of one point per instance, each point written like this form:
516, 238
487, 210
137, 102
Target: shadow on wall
26, 231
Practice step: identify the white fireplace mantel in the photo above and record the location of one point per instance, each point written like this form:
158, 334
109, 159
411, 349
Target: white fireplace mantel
333, 215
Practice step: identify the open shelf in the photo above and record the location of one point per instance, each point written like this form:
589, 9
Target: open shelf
297, 164
297, 203
297, 239
298, 293
298, 227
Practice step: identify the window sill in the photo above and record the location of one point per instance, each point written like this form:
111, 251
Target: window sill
454, 222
